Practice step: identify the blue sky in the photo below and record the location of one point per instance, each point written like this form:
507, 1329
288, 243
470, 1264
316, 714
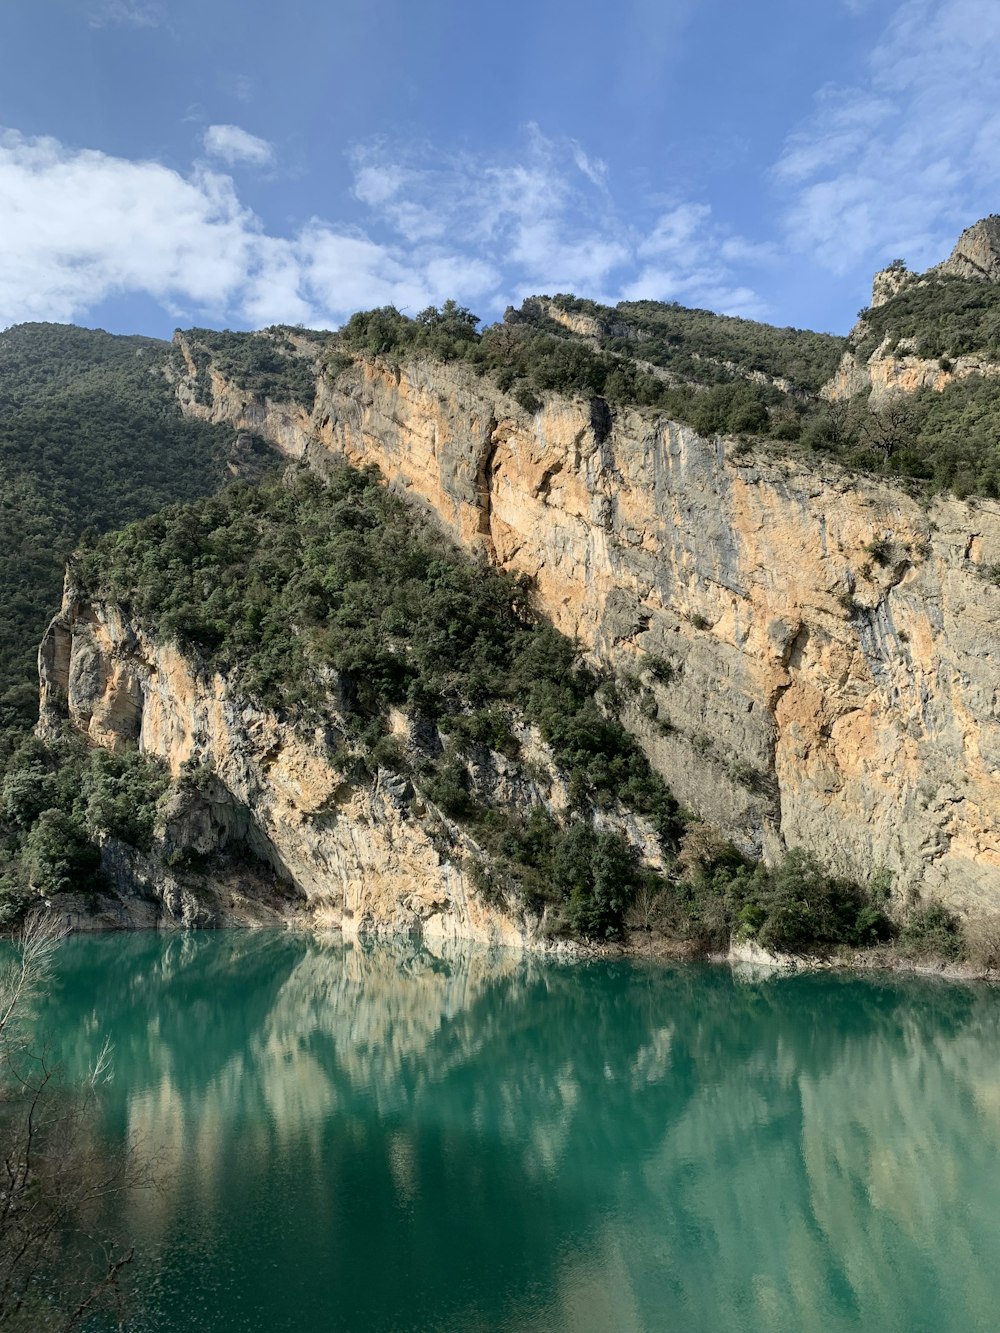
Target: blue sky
238, 163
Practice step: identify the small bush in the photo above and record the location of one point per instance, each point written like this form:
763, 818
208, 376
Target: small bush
794, 907
525, 398
981, 942
880, 550
59, 855
660, 668
754, 779
597, 875
449, 790
930, 931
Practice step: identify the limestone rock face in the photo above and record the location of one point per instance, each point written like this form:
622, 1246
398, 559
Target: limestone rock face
362, 855
820, 653
888, 374
976, 255
887, 283
977, 252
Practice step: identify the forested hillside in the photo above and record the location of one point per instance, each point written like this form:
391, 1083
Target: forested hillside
90, 437
295, 584
706, 348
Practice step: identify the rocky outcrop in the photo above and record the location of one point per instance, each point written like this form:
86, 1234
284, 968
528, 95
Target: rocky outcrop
887, 374
889, 282
811, 657
894, 366
280, 820
976, 253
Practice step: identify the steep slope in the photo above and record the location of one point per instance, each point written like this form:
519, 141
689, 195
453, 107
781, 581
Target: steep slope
819, 649
90, 437
382, 719
698, 346
931, 330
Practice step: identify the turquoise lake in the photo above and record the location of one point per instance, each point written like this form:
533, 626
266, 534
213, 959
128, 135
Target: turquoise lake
378, 1137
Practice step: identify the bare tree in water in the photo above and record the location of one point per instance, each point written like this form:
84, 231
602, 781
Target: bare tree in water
58, 1184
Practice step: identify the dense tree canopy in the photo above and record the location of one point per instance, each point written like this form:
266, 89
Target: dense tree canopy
90, 437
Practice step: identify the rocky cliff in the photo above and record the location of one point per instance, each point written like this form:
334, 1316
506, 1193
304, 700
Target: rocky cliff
896, 366
313, 833
976, 253
818, 651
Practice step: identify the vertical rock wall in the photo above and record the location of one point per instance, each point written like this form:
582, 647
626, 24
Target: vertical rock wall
819, 653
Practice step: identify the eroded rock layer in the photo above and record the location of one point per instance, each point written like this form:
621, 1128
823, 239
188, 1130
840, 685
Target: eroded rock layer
359, 854
825, 649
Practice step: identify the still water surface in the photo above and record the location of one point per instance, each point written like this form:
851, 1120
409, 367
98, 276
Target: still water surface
376, 1138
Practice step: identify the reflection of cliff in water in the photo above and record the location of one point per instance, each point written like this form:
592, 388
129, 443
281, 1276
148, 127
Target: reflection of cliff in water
607, 1145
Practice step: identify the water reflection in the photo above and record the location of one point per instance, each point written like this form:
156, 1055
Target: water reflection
385, 1138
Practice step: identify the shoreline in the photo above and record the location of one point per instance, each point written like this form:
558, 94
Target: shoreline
654, 948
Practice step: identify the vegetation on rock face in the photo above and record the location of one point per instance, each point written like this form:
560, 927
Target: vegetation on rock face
531, 355
387, 612
708, 348
933, 317
266, 363
796, 906
948, 439
58, 800
298, 587
717, 374
308, 593
90, 437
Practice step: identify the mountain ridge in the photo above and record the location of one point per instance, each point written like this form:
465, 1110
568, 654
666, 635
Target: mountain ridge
795, 641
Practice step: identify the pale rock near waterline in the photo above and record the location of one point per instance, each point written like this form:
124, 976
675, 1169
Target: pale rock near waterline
362, 855
817, 698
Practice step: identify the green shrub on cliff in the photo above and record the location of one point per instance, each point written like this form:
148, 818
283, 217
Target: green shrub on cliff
58, 801
58, 855
91, 436
299, 586
586, 879
796, 906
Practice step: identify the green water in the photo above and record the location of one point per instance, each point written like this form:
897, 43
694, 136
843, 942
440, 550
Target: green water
378, 1138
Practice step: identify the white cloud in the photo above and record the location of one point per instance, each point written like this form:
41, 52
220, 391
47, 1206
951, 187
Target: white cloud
133, 13
232, 145
901, 161
240, 86
79, 226
545, 221
675, 230
376, 185
593, 168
